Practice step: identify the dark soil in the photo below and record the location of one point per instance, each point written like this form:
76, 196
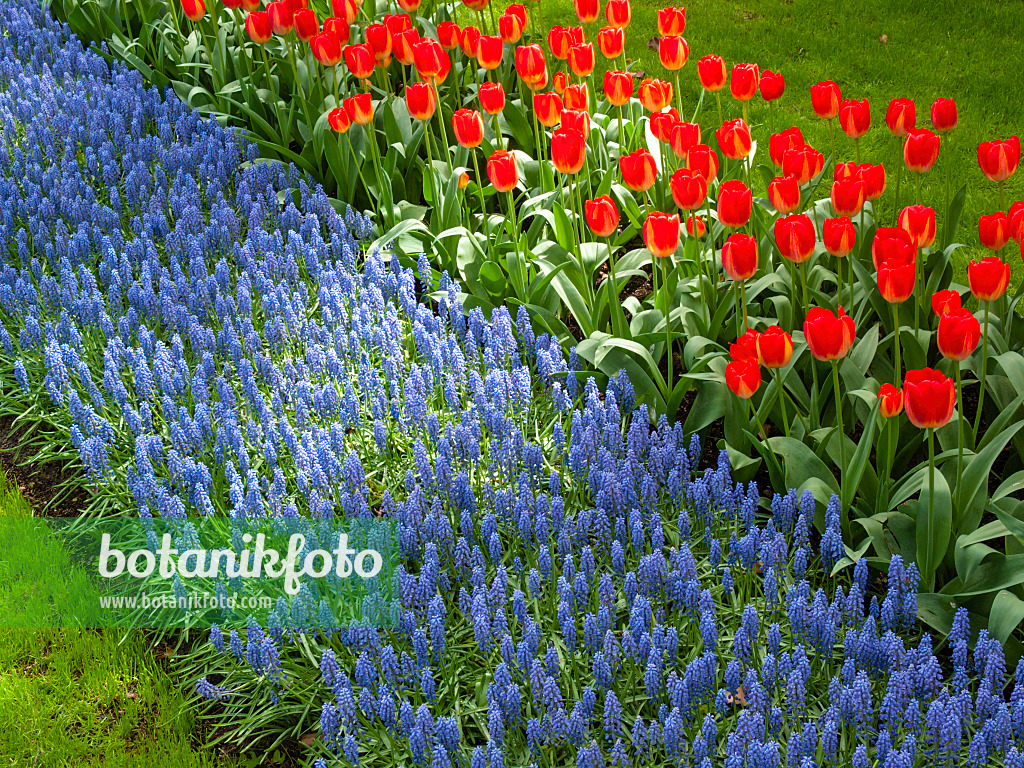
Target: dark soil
42, 485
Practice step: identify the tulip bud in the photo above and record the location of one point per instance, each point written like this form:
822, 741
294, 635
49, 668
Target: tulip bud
744, 81
920, 150
901, 117
929, 398
743, 377
339, 120
689, 189
998, 160
918, 221
944, 116
661, 233
711, 71
784, 194
774, 347
838, 236
502, 170
958, 335
988, 278
855, 117
695, 226
602, 215
795, 237
994, 230
194, 9
825, 99
739, 256
468, 127
492, 97
891, 401
773, 85
611, 41
568, 150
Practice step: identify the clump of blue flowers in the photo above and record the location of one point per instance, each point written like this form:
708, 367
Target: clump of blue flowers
576, 589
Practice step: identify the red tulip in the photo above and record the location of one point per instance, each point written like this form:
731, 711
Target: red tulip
1016, 217
654, 94
873, 177
568, 150
618, 87
673, 51
838, 236
743, 377
345, 9
825, 99
476, 5
901, 117
576, 119
944, 116
611, 41
560, 81
929, 397
774, 347
848, 170
784, 194
638, 170
306, 24
695, 226
548, 106
829, 337
602, 215
795, 237
378, 36
492, 97
281, 17
988, 278
739, 256
502, 170
702, 159
920, 150
409, 6
559, 42
892, 401
420, 101
773, 85
994, 230
469, 41
429, 57
745, 346
360, 108
519, 11
734, 139
711, 71
662, 124
689, 189
735, 202
743, 81
326, 49
684, 137
468, 127
896, 280
661, 233
855, 117
617, 12
999, 159
945, 301
490, 49
892, 244
671, 21
257, 26
397, 22
959, 334
587, 10
782, 142
510, 27
577, 96
581, 59
194, 9
448, 34
402, 44
804, 163
918, 221
848, 196
360, 60
339, 120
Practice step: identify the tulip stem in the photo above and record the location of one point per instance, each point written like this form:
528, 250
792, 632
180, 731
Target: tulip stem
679, 96
515, 239
441, 125
840, 433
899, 175
839, 278
430, 164
711, 256
480, 190
959, 434
718, 98
917, 187
273, 92
803, 283
832, 136
622, 135
930, 577
743, 297
856, 147
898, 372
782, 400
298, 87
984, 366
945, 211
613, 289
668, 329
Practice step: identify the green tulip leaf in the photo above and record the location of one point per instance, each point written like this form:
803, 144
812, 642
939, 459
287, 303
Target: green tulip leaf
934, 525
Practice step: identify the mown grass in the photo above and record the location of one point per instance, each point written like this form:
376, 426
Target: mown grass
968, 50
87, 698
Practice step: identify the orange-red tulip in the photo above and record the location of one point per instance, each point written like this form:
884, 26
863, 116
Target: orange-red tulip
825, 99
577, 96
673, 52
611, 41
339, 120
735, 202
661, 233
988, 278
468, 127
901, 117
490, 50
744, 81
838, 236
896, 279
662, 124
360, 60
739, 256
891, 401
855, 117
828, 336
774, 347
998, 160
920, 150
918, 221
429, 57
848, 196
782, 142
510, 27
638, 170
602, 215
784, 194
773, 85
548, 106
892, 244
193, 9
587, 10
945, 301
469, 41
654, 94
618, 87
734, 139
671, 21
281, 17
795, 237
448, 34
502, 170
257, 26
695, 226
306, 24
804, 163
360, 108
617, 12
994, 230
581, 59
326, 49
711, 72
684, 136
492, 97
689, 189
944, 115
702, 159
743, 377
959, 334
929, 398
568, 150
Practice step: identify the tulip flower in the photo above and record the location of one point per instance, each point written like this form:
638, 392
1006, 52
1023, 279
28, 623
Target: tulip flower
1016, 217
548, 106
988, 278
602, 215
929, 398
873, 177
901, 117
848, 196
468, 127
577, 120
945, 301
743, 81
345, 9
735, 203
510, 27
920, 150
502, 170
448, 34
662, 124
326, 49
618, 87
838, 236
890, 244
587, 10
684, 137
671, 21
194, 9
519, 11
774, 347
568, 150
560, 81
420, 101
360, 60
734, 139
257, 26
689, 189
743, 377
702, 159
469, 41
638, 170
654, 94
339, 120
896, 279
843, 171
402, 44
795, 237
784, 194
695, 226
829, 338
661, 233
428, 57
745, 346
994, 230
944, 116
711, 72
780, 143
490, 51
306, 24
999, 159
825, 99
804, 163
396, 22
958, 335
773, 85
918, 221
577, 97
492, 97
581, 59
891, 401
673, 52
409, 6
617, 12
281, 17
611, 41
739, 257
360, 108
855, 118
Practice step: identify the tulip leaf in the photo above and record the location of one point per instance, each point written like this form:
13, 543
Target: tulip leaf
493, 279
934, 525
997, 572
1005, 616
951, 221
976, 472
854, 471
518, 125
802, 464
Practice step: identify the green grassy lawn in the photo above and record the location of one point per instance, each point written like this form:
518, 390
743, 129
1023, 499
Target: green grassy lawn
965, 50
86, 698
